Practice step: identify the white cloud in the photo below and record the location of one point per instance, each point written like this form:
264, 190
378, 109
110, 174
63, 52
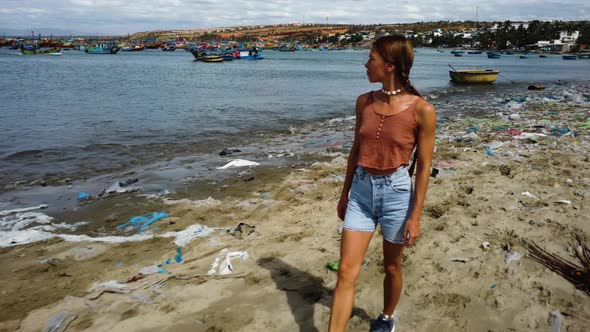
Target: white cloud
123, 16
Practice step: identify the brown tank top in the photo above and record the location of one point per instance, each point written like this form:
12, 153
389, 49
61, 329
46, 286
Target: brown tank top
386, 141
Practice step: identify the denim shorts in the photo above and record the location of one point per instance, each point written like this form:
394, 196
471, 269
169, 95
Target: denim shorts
380, 199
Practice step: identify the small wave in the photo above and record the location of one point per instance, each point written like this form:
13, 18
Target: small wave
22, 154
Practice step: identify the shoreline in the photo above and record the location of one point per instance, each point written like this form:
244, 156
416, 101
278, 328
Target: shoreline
476, 197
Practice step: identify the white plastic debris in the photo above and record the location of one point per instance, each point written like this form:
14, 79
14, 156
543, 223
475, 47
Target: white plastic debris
563, 201
528, 194
555, 320
239, 163
223, 266
209, 202
495, 145
20, 220
485, 245
187, 235
514, 117
59, 322
471, 136
512, 256
529, 136
27, 209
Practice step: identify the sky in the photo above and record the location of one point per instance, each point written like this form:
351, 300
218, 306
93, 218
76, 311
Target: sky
119, 17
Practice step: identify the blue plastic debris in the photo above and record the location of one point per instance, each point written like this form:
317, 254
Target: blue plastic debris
83, 196
559, 131
473, 129
168, 261
490, 152
143, 222
493, 286
178, 257
551, 97
265, 195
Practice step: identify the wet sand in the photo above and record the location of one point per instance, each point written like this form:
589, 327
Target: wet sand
451, 282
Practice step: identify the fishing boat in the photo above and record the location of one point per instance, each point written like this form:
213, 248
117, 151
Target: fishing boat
228, 57
287, 48
134, 48
509, 53
474, 52
51, 51
167, 48
583, 56
212, 58
474, 76
569, 57
455, 52
102, 49
248, 55
458, 54
492, 55
523, 56
542, 55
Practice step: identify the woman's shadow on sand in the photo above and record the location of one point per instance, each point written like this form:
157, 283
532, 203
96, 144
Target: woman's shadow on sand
303, 292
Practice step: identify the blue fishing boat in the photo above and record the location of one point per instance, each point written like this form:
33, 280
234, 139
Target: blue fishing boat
524, 56
455, 52
248, 55
102, 49
458, 54
167, 48
228, 57
492, 55
569, 57
474, 52
542, 55
509, 53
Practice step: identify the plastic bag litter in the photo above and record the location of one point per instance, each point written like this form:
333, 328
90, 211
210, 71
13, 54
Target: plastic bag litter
238, 163
143, 222
555, 320
27, 209
512, 256
225, 266
187, 235
20, 220
59, 322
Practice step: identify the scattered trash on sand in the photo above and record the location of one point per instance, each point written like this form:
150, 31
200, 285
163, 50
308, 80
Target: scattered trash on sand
239, 163
224, 266
108, 287
143, 222
333, 265
242, 230
59, 322
27, 209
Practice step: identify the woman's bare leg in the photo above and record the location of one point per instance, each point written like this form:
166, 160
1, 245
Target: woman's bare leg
394, 280
352, 250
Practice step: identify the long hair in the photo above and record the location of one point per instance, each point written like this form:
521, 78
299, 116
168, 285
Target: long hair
398, 51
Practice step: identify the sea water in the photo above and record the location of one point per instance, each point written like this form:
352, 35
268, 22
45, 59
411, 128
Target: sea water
79, 115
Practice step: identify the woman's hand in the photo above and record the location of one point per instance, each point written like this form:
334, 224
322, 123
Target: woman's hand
411, 231
342, 205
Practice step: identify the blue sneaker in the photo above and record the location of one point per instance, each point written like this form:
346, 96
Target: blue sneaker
383, 324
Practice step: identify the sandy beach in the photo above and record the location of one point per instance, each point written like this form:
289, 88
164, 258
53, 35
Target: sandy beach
517, 170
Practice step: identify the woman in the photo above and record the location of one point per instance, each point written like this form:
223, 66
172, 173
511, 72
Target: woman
390, 123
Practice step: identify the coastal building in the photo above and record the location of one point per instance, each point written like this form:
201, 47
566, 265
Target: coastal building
562, 45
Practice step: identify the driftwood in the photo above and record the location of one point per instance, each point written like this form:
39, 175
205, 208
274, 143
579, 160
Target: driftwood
578, 275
